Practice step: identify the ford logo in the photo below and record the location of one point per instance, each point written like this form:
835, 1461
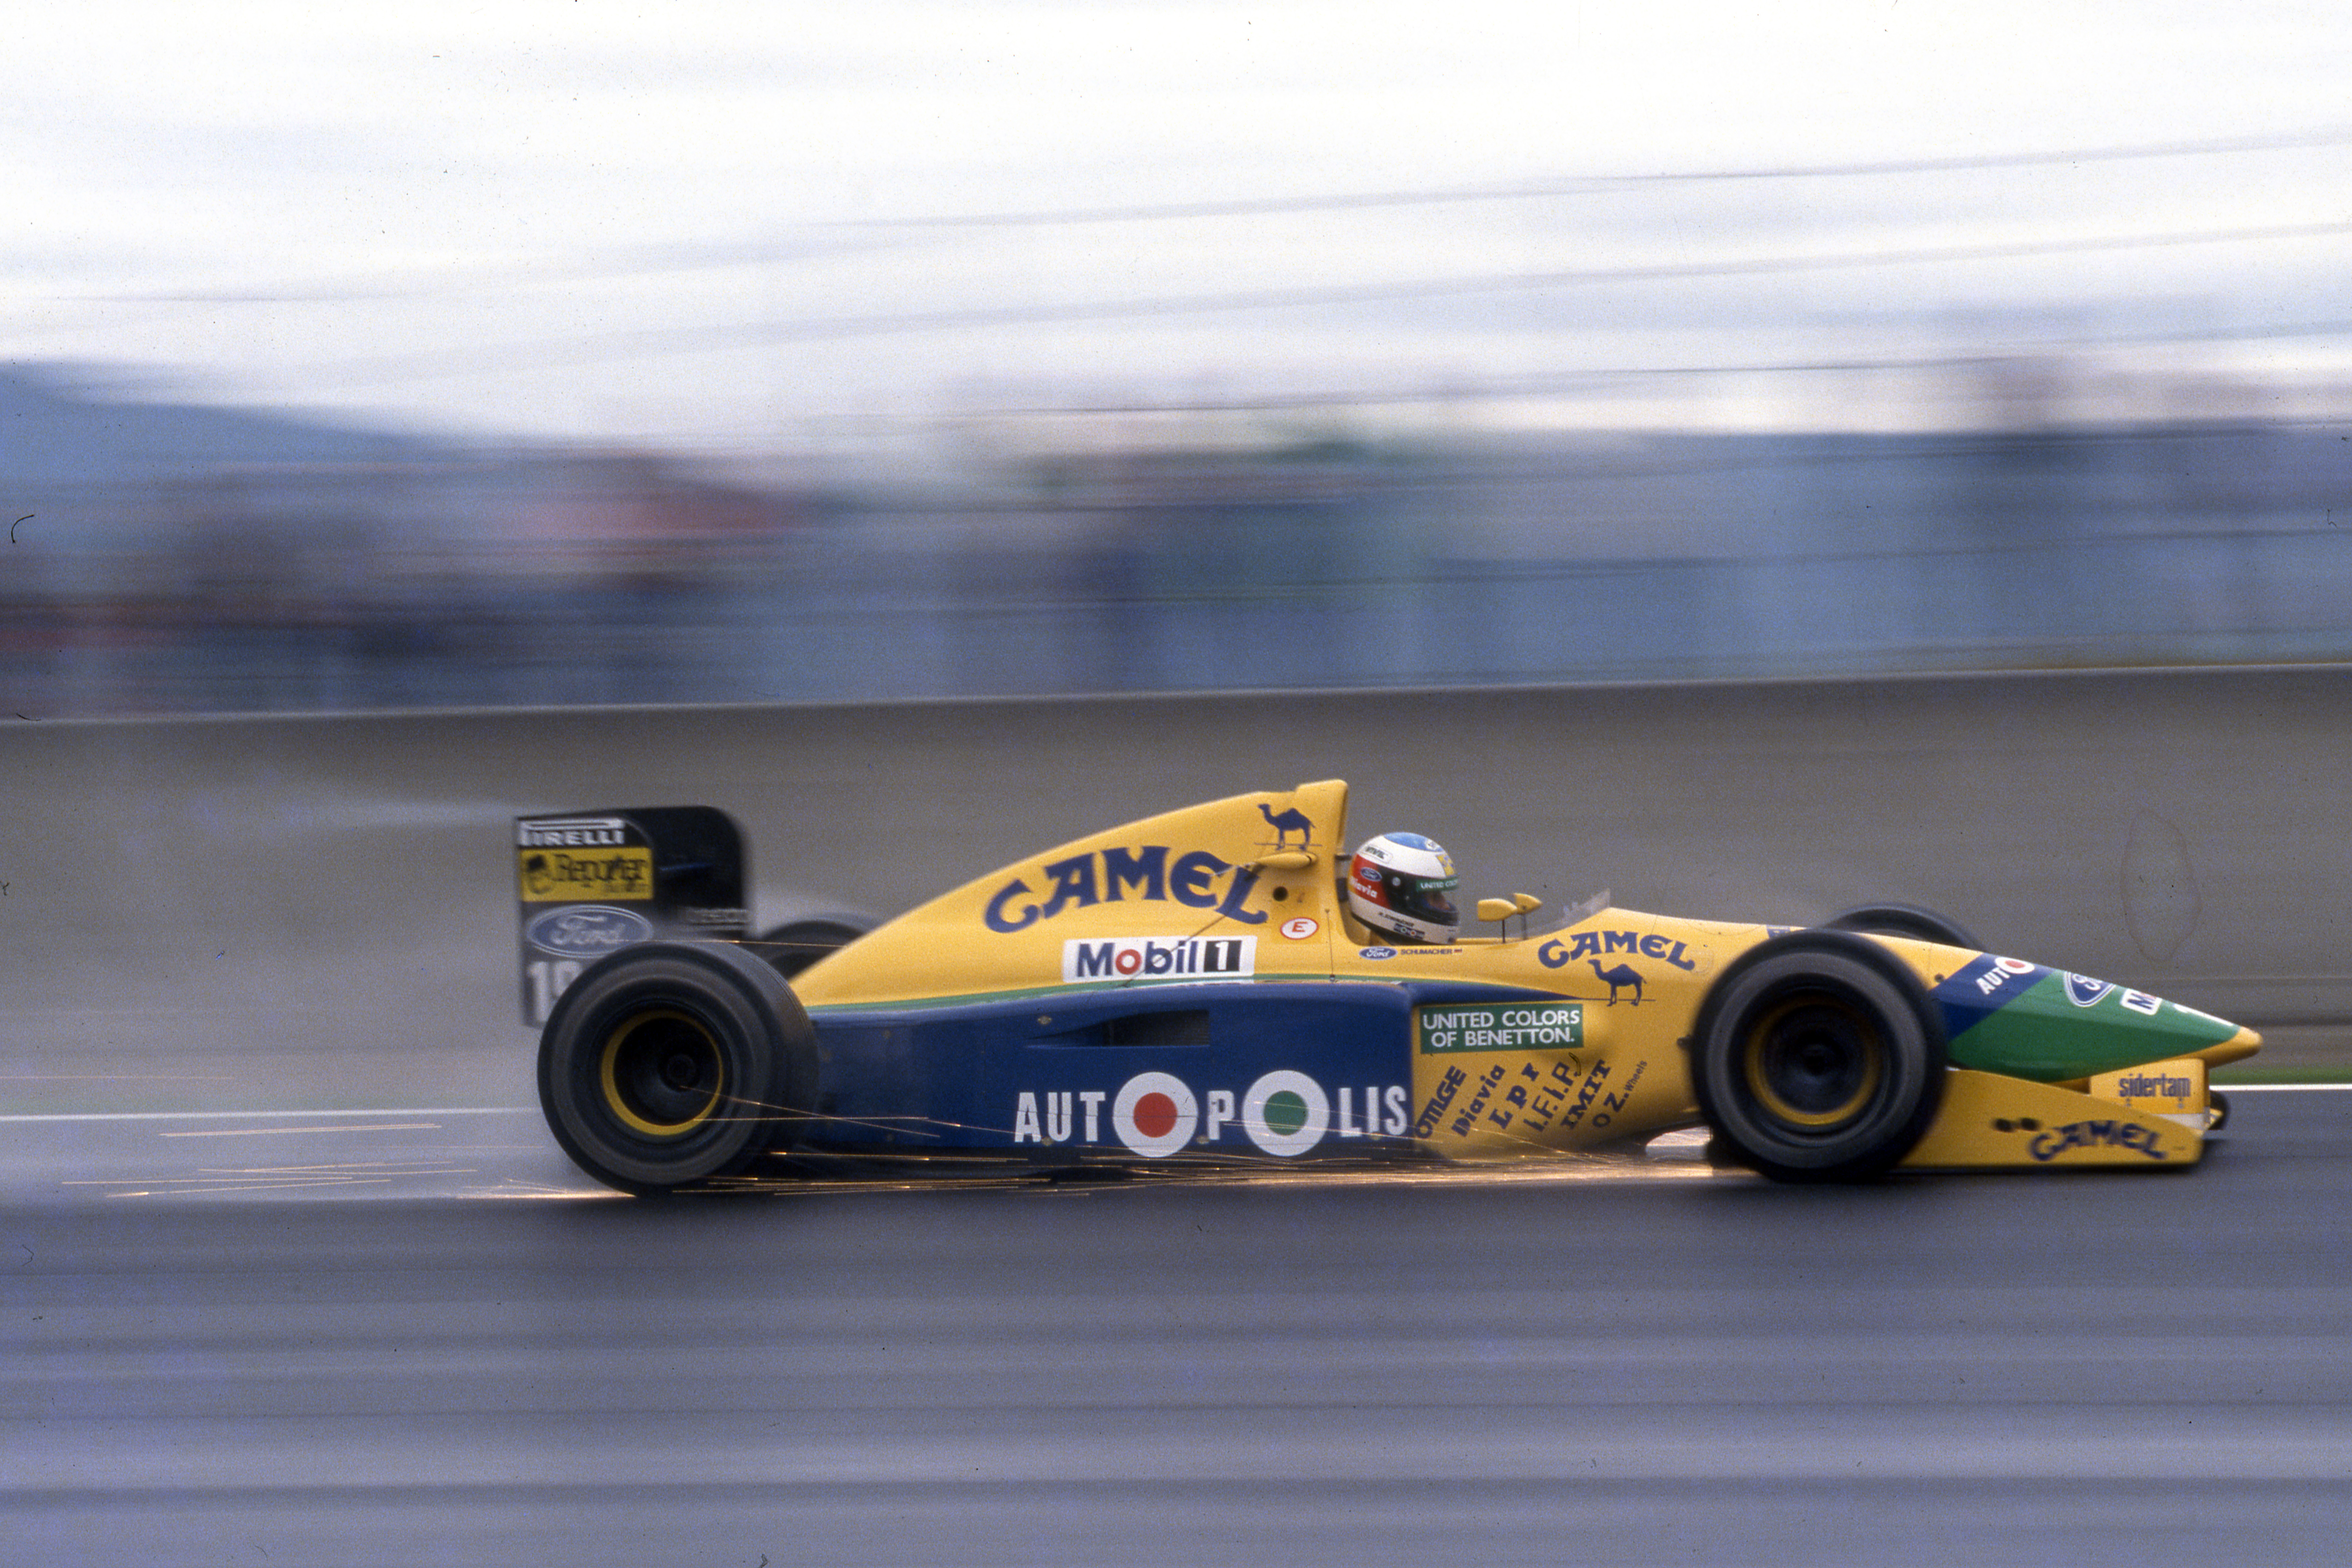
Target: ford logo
586, 930
2084, 992
1376, 952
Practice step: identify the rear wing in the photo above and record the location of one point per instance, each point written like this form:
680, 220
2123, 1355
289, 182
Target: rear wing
591, 882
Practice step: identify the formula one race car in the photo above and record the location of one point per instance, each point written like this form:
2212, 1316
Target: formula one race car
1199, 987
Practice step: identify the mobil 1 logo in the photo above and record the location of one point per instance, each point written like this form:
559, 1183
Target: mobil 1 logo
1159, 958
1499, 1026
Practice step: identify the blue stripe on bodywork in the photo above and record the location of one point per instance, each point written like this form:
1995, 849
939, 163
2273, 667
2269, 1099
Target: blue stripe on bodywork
948, 1077
1964, 1000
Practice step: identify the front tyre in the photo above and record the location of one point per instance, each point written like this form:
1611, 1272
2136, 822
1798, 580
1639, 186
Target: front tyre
670, 1063
1818, 1057
1907, 920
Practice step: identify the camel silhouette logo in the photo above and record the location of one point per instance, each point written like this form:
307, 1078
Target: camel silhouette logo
1291, 821
1617, 979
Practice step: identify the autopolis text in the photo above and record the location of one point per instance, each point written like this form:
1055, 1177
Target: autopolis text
2094, 1134
1056, 1116
1558, 954
1145, 875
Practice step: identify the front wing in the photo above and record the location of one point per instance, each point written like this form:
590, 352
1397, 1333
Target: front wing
2151, 1117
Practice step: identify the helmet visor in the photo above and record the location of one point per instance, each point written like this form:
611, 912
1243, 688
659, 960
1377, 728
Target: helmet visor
1425, 898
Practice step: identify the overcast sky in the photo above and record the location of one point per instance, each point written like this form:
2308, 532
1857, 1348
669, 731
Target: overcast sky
737, 225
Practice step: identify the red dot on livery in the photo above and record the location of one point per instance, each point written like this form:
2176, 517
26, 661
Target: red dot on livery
1155, 1116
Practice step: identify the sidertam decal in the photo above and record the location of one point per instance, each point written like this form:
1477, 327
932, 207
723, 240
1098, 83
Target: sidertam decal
2154, 1085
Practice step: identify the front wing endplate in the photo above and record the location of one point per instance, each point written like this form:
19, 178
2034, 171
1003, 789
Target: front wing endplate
2151, 1117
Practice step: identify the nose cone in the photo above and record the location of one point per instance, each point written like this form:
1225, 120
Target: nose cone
2236, 1048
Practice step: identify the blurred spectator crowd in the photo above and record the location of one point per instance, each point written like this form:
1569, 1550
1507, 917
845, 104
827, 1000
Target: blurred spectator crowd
166, 558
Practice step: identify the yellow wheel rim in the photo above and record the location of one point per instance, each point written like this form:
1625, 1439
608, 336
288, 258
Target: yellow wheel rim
661, 1073
1813, 1061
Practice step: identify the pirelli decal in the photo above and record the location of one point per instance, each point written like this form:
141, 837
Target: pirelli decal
583, 861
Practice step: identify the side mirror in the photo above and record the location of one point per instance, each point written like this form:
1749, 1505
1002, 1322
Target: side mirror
1504, 909
1284, 861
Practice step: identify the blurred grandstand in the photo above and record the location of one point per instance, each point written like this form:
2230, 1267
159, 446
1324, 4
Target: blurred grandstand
170, 558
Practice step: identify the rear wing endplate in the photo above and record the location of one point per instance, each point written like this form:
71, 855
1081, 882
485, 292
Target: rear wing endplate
592, 882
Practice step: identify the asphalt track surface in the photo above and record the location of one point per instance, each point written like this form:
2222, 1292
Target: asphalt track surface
419, 1337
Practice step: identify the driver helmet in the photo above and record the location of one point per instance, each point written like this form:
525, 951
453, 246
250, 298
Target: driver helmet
1402, 885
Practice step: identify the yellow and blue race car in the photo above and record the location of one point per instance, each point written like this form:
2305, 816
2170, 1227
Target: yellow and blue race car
1205, 986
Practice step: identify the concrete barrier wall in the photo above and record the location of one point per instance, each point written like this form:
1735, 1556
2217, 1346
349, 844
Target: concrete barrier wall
315, 911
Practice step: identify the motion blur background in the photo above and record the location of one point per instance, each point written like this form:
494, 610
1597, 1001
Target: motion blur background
363, 364
581, 354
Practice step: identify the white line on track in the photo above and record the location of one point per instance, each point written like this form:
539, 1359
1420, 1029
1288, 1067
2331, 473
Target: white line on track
261, 1115
2285, 1088
283, 1131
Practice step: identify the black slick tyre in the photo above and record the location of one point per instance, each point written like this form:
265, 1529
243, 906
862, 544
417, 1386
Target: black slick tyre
792, 948
670, 1063
1817, 1057
1904, 919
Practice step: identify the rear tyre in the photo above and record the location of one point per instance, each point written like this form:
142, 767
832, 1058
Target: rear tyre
793, 947
1818, 1057
1904, 919
670, 1063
